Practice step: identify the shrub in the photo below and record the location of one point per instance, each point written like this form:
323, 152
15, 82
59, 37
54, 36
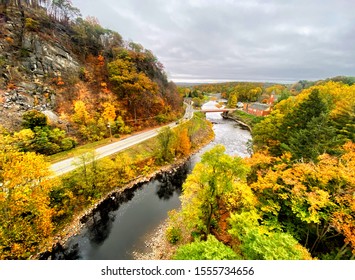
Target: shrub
34, 118
67, 144
173, 234
31, 24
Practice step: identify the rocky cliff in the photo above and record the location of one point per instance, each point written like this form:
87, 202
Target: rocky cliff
31, 57
46, 63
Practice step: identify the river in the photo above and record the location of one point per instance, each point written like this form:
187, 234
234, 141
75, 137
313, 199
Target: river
120, 225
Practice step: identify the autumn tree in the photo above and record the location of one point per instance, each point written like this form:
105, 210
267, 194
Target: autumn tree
109, 112
167, 139
232, 101
309, 124
91, 126
90, 173
183, 142
123, 168
25, 220
208, 186
134, 87
309, 200
81, 115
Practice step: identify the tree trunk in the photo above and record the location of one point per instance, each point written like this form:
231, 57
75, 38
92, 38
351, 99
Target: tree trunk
342, 251
209, 219
320, 237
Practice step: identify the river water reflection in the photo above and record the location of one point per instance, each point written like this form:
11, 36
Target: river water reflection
121, 223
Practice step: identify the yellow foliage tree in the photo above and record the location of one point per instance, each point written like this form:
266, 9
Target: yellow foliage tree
25, 215
81, 116
315, 200
109, 113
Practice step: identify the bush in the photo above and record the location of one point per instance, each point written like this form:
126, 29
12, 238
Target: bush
173, 234
31, 24
68, 144
125, 130
161, 118
34, 118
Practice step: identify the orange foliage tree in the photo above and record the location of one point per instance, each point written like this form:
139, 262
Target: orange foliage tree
184, 143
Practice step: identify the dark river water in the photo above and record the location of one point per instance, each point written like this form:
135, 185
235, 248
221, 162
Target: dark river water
121, 224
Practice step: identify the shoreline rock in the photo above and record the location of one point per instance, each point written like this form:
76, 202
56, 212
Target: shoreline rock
157, 247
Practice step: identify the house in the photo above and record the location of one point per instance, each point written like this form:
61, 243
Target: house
257, 109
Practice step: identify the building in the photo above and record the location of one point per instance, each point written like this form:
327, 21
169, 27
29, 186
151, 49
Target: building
257, 109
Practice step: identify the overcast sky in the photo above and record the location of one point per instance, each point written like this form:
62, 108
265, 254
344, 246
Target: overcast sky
253, 40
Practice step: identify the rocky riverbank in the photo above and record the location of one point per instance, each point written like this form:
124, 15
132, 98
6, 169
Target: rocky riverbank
156, 245
74, 228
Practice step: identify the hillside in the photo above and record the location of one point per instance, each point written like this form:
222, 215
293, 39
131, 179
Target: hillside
79, 74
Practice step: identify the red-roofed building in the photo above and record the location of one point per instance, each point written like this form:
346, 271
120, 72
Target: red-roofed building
257, 109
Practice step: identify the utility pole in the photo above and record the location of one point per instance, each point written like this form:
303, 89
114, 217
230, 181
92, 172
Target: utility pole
109, 127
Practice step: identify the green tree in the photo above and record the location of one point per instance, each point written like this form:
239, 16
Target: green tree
259, 243
166, 138
88, 171
316, 138
303, 125
312, 107
307, 132
211, 249
33, 118
343, 117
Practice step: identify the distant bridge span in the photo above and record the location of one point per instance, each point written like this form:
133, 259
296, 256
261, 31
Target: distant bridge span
216, 110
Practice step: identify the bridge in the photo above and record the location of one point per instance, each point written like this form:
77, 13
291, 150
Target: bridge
216, 110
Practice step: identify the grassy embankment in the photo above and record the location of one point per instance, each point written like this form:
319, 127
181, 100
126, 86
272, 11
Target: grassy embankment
82, 189
249, 119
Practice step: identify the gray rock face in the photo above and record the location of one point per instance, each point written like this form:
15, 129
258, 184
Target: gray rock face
46, 57
52, 117
28, 62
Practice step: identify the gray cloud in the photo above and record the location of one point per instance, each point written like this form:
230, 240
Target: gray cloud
237, 40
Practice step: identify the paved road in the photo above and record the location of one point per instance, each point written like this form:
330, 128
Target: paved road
68, 165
